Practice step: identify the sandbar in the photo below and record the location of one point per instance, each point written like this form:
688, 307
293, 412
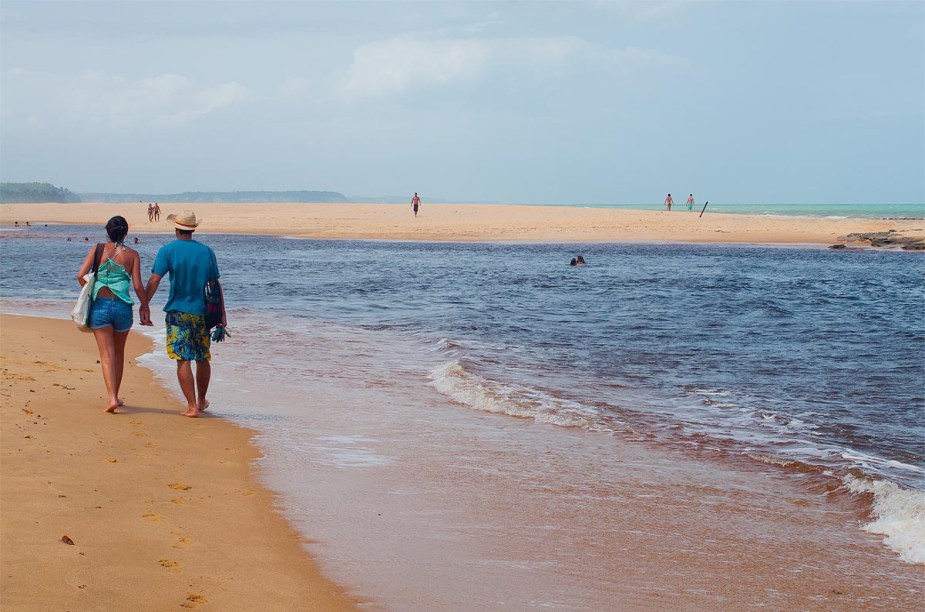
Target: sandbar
477, 223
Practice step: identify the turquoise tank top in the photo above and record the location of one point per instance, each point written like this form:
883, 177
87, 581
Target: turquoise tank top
114, 276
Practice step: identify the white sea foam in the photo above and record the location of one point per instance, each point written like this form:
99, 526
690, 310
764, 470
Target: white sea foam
452, 380
899, 516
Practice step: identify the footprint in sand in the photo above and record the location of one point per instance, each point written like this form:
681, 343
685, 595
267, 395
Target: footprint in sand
178, 501
179, 486
183, 542
246, 493
154, 518
173, 567
192, 599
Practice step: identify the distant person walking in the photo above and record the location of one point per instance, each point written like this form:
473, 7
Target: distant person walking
150, 212
690, 202
668, 202
190, 265
157, 212
415, 203
111, 309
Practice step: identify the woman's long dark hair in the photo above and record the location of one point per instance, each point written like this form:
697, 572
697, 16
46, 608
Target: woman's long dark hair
117, 228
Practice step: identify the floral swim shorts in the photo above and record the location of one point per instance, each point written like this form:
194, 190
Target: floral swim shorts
187, 337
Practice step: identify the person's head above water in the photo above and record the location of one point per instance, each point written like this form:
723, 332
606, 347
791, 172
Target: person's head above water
574, 262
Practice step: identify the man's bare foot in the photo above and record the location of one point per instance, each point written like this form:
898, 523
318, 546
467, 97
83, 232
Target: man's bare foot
190, 413
203, 405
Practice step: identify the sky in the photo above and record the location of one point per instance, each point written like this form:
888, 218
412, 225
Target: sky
566, 102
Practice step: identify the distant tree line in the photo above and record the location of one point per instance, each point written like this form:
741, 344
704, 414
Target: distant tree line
35, 192
219, 196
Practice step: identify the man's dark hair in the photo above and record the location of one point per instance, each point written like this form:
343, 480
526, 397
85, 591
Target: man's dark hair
185, 232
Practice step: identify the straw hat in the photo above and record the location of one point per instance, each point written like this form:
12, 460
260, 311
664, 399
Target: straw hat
186, 220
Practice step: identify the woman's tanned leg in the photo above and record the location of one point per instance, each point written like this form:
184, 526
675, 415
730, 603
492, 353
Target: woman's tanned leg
119, 339
106, 344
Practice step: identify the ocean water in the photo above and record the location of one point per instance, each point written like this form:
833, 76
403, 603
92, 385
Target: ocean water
863, 211
366, 366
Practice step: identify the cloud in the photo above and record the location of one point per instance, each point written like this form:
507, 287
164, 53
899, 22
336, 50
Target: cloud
112, 101
394, 66
399, 65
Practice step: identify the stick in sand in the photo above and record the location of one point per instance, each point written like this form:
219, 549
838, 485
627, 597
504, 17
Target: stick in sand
704, 208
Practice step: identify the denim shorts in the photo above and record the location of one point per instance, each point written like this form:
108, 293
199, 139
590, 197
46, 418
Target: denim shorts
105, 311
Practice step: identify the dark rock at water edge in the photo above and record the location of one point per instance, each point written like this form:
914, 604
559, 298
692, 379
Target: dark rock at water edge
890, 238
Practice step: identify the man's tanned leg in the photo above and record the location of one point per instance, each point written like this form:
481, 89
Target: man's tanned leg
188, 386
203, 376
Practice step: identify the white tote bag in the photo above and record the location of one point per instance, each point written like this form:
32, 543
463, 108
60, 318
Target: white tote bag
81, 311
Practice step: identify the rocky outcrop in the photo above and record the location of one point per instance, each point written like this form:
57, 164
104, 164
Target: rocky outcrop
891, 238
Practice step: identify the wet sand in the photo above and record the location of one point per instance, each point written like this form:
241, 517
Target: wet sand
474, 222
428, 506
163, 512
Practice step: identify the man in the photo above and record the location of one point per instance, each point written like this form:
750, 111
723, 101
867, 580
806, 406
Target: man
415, 203
190, 264
690, 202
668, 202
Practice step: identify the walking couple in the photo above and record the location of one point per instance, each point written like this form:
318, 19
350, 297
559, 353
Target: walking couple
190, 265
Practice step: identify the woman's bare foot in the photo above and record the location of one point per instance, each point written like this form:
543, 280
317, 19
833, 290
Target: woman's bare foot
121, 403
190, 413
111, 408
204, 405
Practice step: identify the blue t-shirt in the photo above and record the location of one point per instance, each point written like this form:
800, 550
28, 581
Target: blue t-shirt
190, 264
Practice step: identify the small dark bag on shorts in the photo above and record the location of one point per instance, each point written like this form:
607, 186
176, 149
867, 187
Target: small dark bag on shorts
215, 301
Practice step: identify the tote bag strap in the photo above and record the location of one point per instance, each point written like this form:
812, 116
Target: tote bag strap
97, 257
213, 273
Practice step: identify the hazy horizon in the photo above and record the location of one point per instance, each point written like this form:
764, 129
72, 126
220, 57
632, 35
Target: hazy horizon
525, 102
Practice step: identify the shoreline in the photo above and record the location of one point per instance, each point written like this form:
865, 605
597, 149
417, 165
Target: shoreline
495, 223
673, 544
170, 506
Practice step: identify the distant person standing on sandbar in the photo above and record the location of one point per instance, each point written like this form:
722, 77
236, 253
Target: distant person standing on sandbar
668, 202
415, 203
157, 212
690, 202
190, 265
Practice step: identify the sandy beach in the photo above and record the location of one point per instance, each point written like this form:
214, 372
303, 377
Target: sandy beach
475, 223
163, 512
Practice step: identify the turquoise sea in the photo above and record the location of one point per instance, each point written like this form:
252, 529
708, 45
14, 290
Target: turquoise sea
864, 211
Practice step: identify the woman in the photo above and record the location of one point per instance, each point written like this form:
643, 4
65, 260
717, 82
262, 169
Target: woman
111, 309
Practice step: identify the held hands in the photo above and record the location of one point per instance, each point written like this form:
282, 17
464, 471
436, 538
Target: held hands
144, 313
